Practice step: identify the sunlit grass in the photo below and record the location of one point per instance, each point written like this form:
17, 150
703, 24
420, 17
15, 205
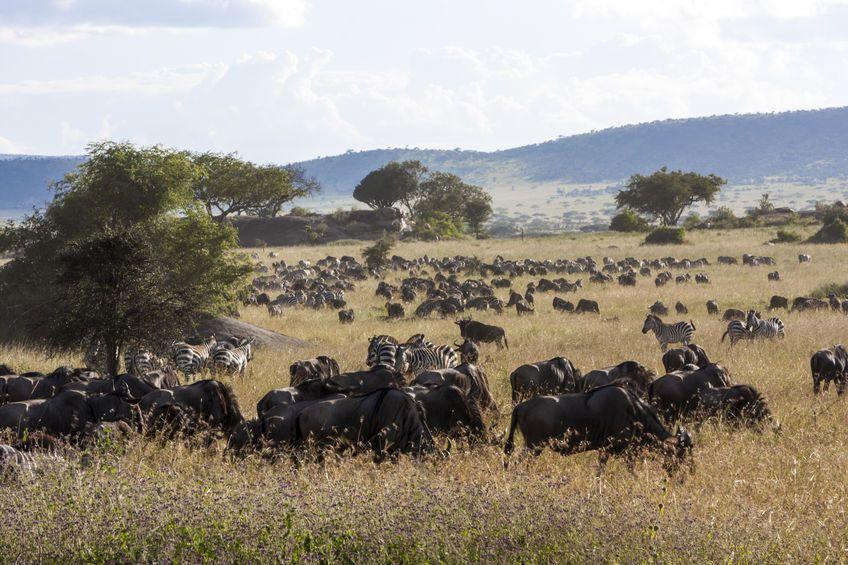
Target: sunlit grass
754, 497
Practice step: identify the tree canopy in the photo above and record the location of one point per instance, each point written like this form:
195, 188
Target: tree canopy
228, 185
393, 183
665, 195
122, 255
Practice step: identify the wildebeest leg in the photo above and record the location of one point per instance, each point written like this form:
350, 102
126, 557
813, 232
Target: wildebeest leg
603, 456
840, 384
816, 384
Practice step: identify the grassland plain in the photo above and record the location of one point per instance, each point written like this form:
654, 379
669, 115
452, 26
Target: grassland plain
752, 497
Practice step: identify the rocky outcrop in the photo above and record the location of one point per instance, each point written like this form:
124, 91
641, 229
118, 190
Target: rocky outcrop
316, 228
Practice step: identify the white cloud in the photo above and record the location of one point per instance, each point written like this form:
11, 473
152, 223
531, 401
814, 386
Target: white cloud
8, 146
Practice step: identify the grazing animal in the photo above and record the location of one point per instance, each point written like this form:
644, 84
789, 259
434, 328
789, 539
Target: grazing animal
725, 260
804, 258
701, 278
692, 354
468, 351
140, 362
381, 351
346, 316
522, 307
562, 305
191, 359
482, 333
609, 419
448, 410
679, 332
778, 302
738, 405
364, 382
681, 308
765, 329
235, 360
394, 310
633, 374
306, 390
733, 314
676, 394
585, 306
554, 376
773, 276
659, 309
321, 368
209, 402
712, 307
417, 359
829, 365
386, 421
737, 332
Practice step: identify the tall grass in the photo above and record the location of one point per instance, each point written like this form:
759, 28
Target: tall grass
752, 497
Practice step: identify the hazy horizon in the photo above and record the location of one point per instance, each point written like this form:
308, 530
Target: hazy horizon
289, 80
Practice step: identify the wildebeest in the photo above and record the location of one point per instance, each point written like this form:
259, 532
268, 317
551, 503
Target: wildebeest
637, 376
585, 306
804, 258
394, 310
733, 314
33, 386
468, 351
448, 410
773, 276
346, 316
305, 390
658, 308
386, 420
807, 303
829, 365
562, 305
712, 307
675, 394
321, 367
554, 376
736, 405
701, 278
609, 419
778, 302
482, 333
129, 387
364, 382
681, 308
68, 414
210, 402
692, 354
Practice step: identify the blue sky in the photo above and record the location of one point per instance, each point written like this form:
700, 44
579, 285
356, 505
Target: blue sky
285, 80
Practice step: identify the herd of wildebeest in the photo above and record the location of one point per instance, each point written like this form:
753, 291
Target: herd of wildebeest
413, 390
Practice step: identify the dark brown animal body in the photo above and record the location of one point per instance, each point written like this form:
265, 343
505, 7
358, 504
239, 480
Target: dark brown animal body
554, 376
321, 367
634, 374
676, 394
482, 333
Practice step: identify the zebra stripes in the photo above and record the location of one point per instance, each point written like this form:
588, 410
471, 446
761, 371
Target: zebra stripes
140, 362
382, 350
233, 360
680, 332
191, 359
416, 359
765, 329
737, 332
17, 464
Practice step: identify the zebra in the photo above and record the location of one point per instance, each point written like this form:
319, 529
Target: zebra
191, 359
233, 359
765, 329
737, 332
17, 464
418, 341
381, 351
139, 362
415, 359
680, 332
804, 258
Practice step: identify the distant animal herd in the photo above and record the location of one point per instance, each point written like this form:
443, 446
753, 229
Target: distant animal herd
413, 391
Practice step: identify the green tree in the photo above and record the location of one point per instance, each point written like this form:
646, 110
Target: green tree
665, 195
446, 192
377, 256
393, 183
122, 255
628, 221
478, 211
228, 185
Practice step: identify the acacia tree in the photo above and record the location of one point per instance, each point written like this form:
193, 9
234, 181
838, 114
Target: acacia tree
122, 255
393, 183
665, 195
478, 211
229, 186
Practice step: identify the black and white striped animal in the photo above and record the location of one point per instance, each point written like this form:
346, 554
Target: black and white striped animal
737, 332
804, 258
765, 329
139, 362
382, 350
16, 464
679, 332
416, 359
191, 359
233, 360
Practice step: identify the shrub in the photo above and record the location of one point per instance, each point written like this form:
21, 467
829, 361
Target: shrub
786, 236
827, 289
436, 225
377, 256
692, 221
724, 218
299, 211
628, 221
666, 236
833, 232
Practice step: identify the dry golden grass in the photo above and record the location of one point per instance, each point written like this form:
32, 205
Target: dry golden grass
752, 497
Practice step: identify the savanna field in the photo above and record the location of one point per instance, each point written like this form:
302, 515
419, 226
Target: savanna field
752, 496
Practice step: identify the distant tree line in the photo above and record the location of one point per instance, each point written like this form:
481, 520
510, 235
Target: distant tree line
441, 204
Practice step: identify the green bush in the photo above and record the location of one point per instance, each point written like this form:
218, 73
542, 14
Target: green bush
435, 226
692, 221
786, 236
628, 221
666, 236
723, 218
377, 256
833, 232
299, 211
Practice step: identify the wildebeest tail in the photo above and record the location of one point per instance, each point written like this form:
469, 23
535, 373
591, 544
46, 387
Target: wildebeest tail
506, 343
691, 323
234, 415
510, 439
